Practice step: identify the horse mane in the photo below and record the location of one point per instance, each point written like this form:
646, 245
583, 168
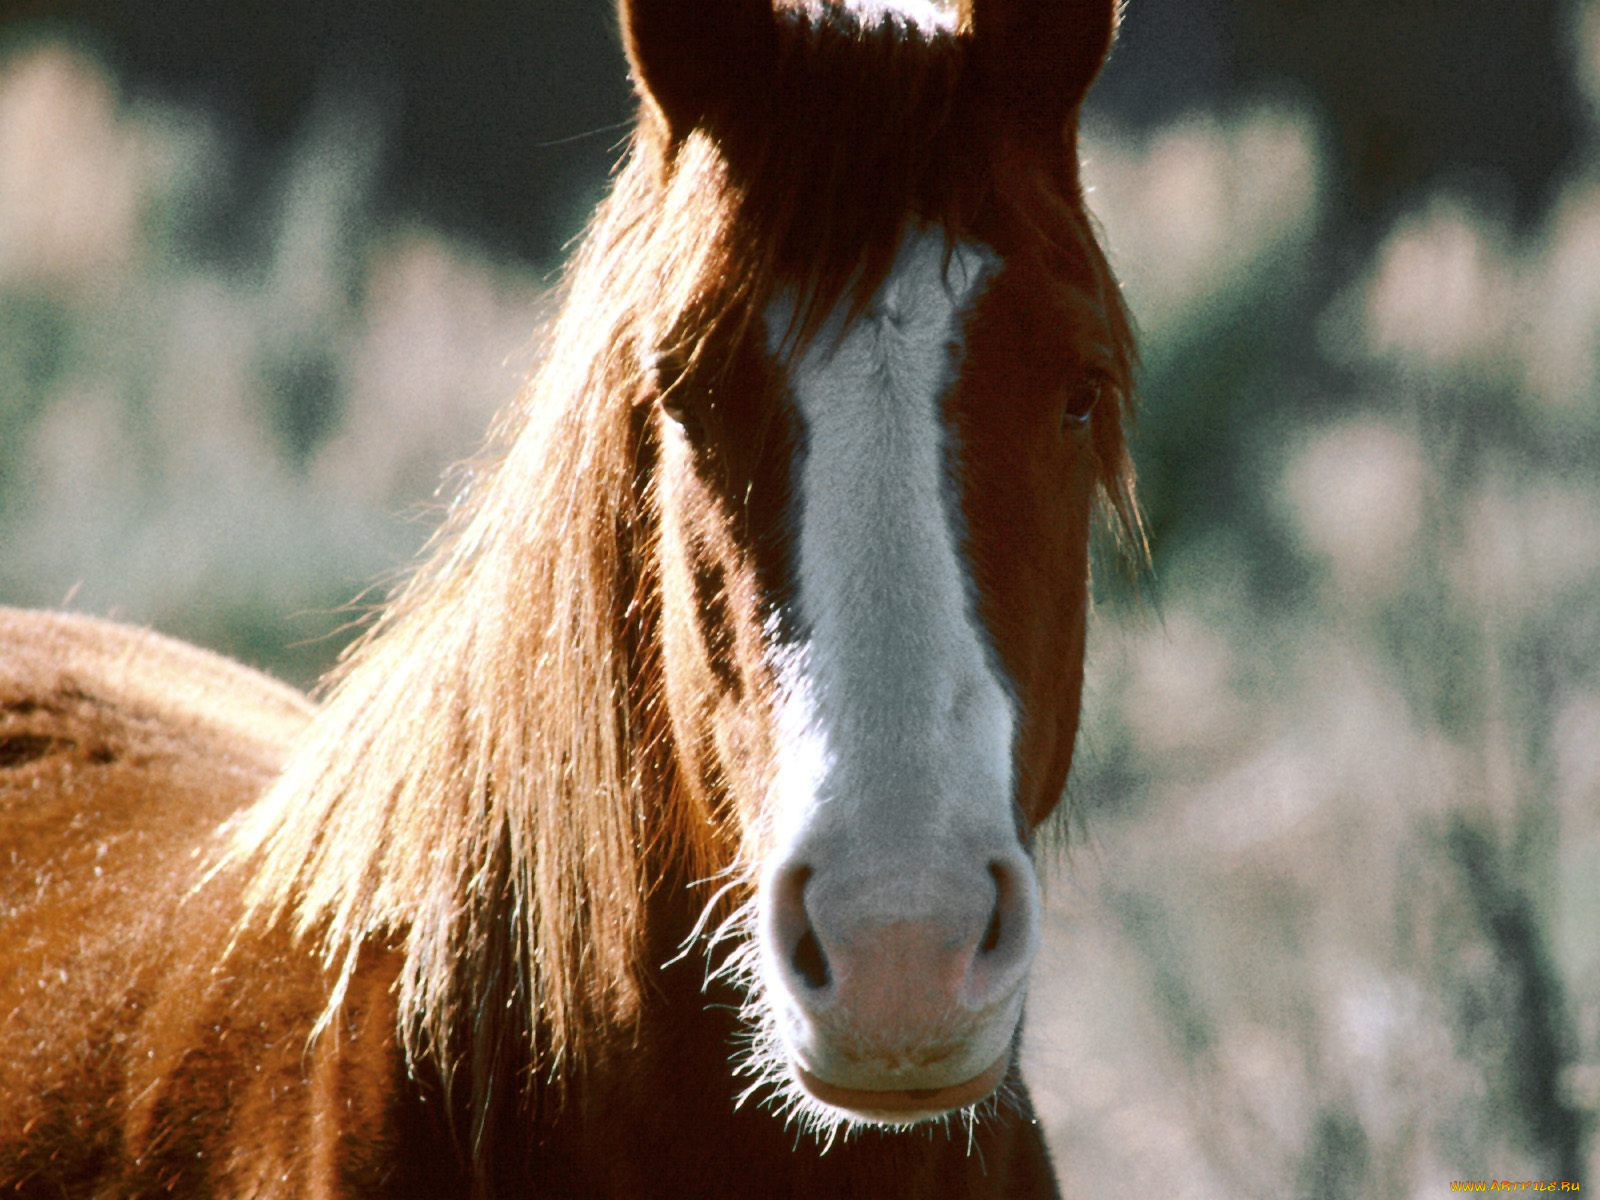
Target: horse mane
488, 786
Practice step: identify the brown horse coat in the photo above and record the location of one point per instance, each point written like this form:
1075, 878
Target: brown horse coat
133, 1053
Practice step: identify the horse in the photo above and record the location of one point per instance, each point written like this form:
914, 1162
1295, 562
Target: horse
671, 830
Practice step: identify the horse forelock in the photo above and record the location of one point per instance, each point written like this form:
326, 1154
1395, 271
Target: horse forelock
490, 776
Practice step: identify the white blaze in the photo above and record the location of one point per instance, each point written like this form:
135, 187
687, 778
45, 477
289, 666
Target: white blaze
923, 14
895, 731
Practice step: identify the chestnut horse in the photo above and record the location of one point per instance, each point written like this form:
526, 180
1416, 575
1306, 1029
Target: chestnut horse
670, 832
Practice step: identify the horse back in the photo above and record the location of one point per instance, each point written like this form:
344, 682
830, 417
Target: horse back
140, 1051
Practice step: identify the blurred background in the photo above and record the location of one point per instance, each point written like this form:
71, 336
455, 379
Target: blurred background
1329, 924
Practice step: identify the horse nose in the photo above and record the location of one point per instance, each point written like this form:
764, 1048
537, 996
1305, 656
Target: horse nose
892, 954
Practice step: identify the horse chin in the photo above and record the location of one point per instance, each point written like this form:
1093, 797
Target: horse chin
830, 1077
904, 1107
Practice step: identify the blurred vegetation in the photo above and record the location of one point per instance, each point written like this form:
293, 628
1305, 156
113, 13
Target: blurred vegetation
1329, 928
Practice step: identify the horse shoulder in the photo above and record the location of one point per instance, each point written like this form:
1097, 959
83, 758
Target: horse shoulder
140, 1050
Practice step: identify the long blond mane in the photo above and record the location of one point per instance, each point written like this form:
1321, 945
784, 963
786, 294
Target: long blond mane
488, 786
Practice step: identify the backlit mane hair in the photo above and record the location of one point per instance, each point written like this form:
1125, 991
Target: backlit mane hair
488, 787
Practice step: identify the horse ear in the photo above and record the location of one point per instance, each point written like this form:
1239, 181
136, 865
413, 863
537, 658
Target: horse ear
696, 59
1037, 58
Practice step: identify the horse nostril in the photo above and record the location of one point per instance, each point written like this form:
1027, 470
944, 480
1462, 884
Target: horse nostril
991, 935
1005, 889
810, 963
806, 960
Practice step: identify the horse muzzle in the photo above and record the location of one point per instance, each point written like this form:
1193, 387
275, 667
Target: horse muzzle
898, 992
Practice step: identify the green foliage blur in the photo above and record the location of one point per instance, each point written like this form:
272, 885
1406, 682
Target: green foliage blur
1326, 925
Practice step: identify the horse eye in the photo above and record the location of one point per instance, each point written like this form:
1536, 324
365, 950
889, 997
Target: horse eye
667, 371
1077, 408
681, 411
